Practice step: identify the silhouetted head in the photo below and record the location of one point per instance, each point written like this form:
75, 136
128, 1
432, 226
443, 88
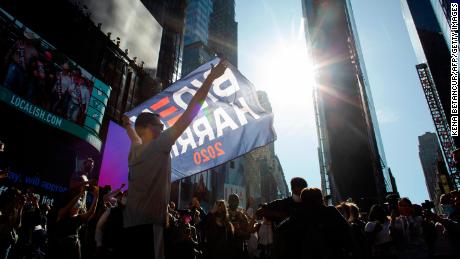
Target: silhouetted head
233, 201
344, 209
250, 202
405, 207
195, 203
220, 209
172, 205
66, 66
377, 213
88, 165
354, 212
312, 198
148, 126
297, 185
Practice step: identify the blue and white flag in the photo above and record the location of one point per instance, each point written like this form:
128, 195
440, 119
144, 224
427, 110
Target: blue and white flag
231, 122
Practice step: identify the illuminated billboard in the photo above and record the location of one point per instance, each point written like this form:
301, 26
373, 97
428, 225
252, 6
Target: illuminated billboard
40, 81
114, 168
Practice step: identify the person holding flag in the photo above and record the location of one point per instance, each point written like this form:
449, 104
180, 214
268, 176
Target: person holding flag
149, 175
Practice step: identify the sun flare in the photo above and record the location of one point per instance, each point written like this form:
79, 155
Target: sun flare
287, 74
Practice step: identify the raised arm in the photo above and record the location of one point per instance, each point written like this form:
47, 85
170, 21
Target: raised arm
130, 130
87, 216
98, 236
63, 211
197, 101
110, 195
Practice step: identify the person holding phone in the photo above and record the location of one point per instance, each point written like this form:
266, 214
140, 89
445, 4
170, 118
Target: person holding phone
69, 221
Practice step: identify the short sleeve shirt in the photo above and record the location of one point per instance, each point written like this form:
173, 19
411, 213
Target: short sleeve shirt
149, 181
79, 92
63, 83
383, 236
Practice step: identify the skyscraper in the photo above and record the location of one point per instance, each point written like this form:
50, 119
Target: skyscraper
171, 15
223, 30
195, 54
197, 13
428, 23
429, 153
210, 30
351, 155
441, 10
196, 50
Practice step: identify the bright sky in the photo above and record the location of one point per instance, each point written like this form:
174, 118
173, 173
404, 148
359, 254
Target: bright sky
272, 54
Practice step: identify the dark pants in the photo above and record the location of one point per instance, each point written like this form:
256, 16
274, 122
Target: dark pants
69, 247
60, 104
15, 78
139, 242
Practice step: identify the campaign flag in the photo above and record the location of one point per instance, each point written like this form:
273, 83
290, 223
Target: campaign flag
230, 123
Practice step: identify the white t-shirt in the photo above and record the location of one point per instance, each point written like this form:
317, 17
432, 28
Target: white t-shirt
73, 90
149, 181
66, 83
383, 236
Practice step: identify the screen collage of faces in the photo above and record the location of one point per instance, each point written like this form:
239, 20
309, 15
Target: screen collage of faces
38, 79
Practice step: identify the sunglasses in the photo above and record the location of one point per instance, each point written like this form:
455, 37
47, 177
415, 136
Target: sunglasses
159, 125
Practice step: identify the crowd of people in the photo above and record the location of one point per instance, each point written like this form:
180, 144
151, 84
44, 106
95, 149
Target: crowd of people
144, 223
300, 226
30, 71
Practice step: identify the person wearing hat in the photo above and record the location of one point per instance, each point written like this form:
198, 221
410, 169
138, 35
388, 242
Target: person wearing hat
19, 58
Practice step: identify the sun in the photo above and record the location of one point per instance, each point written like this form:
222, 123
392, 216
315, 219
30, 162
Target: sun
287, 74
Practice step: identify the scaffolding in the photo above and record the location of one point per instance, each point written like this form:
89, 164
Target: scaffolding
440, 121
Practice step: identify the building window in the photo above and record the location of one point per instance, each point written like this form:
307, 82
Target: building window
232, 164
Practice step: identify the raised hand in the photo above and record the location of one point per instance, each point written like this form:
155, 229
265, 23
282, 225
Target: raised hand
125, 120
219, 70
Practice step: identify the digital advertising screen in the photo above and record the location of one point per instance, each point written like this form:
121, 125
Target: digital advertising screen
42, 82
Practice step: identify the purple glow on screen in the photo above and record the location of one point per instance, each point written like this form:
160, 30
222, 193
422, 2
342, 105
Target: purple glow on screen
114, 169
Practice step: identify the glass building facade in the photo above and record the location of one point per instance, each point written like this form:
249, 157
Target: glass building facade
196, 50
210, 30
195, 55
197, 20
429, 152
223, 30
171, 15
429, 43
441, 10
351, 155
428, 22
